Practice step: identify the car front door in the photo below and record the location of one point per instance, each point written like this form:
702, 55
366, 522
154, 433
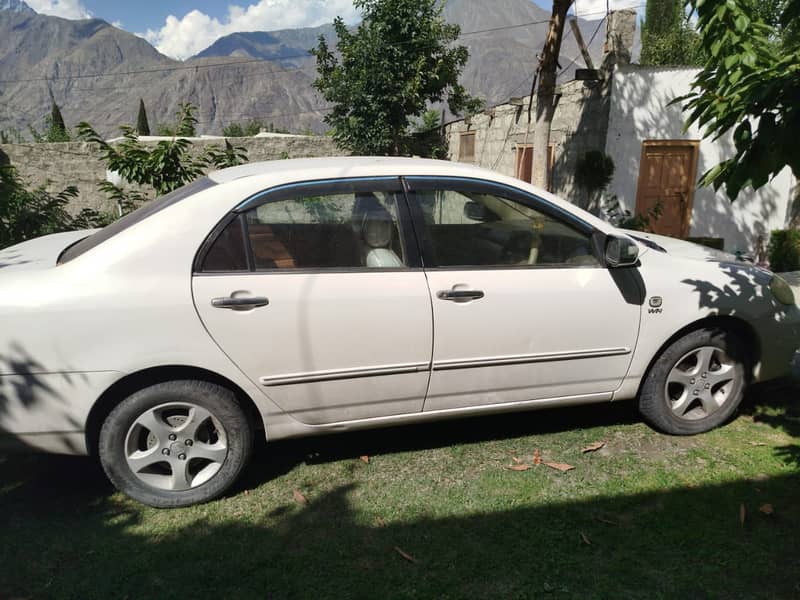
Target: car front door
523, 309
315, 291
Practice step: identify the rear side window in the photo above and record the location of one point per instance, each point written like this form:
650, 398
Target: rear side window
346, 229
140, 214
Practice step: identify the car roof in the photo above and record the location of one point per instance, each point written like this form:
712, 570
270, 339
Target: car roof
360, 166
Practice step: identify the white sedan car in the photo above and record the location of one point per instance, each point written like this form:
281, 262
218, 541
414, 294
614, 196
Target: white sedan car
302, 297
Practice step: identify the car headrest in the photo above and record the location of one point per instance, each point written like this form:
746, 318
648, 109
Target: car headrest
377, 227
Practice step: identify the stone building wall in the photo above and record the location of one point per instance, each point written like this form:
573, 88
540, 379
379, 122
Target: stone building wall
580, 122
57, 166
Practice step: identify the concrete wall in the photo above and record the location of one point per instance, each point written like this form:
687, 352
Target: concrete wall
78, 163
639, 111
580, 124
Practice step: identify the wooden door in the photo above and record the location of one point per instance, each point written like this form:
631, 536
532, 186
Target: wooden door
667, 175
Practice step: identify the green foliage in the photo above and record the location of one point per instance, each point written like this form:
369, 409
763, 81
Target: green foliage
749, 85
11, 136
142, 125
784, 250
229, 156
668, 36
250, 128
28, 214
384, 74
428, 139
185, 122
594, 171
624, 219
166, 166
55, 130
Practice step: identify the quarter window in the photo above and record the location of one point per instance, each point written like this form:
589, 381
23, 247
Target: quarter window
466, 228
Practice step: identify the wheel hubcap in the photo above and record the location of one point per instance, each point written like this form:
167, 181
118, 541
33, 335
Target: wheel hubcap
700, 383
176, 446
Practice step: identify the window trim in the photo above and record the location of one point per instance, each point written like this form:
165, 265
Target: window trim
393, 183
509, 192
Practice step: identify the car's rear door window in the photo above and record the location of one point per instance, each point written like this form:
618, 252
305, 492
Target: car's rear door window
357, 225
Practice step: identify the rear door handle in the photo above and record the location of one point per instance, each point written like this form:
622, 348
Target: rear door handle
240, 303
460, 295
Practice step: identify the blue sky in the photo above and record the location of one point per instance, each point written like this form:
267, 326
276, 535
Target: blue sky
181, 28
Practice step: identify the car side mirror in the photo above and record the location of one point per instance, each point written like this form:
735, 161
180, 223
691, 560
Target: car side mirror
475, 211
621, 252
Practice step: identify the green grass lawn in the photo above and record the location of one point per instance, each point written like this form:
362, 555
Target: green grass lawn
646, 516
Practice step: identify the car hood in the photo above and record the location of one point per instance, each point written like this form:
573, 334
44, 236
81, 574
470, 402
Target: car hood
680, 248
39, 253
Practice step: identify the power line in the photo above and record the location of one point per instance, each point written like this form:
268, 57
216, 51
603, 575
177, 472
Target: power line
229, 64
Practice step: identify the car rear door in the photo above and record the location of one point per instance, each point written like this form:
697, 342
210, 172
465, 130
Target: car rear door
315, 291
522, 308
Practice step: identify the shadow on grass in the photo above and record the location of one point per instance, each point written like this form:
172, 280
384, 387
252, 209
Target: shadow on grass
65, 537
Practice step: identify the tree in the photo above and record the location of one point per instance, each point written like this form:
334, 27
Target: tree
57, 122
185, 124
751, 85
142, 126
668, 36
545, 94
26, 214
55, 129
165, 167
400, 58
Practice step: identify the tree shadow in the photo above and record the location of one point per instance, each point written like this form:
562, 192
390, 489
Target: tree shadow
671, 542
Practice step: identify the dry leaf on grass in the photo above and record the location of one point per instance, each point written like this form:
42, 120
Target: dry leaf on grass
767, 509
298, 497
380, 521
537, 457
364, 459
606, 521
518, 467
405, 555
585, 539
563, 467
757, 444
593, 447
742, 514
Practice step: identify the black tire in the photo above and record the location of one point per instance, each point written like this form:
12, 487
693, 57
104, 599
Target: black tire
656, 398
232, 443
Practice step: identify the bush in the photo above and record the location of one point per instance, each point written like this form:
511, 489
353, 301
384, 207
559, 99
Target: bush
26, 214
784, 250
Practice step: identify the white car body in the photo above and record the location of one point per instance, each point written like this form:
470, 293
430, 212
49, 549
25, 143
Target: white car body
341, 350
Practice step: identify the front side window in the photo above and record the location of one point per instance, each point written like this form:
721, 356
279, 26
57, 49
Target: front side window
353, 229
480, 228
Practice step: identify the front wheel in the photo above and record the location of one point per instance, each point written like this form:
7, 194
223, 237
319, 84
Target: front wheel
696, 384
176, 443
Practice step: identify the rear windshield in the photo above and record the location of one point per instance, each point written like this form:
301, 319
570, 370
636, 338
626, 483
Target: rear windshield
133, 218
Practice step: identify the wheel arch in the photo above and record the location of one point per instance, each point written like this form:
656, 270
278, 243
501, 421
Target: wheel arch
735, 325
133, 382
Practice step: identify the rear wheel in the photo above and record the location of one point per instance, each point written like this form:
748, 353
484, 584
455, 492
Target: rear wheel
176, 443
696, 384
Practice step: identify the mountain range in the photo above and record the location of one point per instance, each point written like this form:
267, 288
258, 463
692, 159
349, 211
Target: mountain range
97, 72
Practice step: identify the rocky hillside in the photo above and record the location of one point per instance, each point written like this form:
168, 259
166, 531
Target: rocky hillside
243, 75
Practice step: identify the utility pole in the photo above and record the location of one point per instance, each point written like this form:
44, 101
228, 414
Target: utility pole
545, 95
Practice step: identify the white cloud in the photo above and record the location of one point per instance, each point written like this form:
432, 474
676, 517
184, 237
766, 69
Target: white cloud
195, 31
67, 9
594, 10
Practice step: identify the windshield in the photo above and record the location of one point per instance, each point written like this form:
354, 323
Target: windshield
133, 218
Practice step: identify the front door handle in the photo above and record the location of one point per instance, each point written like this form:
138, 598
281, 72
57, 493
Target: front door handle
460, 295
240, 303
